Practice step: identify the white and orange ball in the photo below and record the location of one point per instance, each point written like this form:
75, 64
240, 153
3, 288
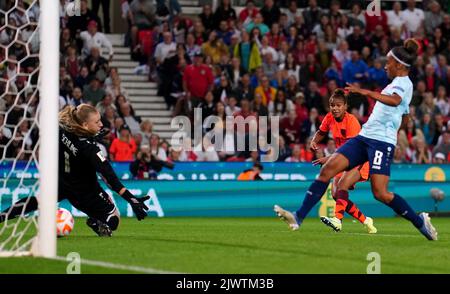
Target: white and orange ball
64, 222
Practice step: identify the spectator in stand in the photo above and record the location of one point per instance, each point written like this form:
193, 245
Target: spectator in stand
106, 102
395, 16
82, 78
142, 16
312, 14
123, 147
108, 118
355, 70
225, 11
105, 10
357, 16
266, 91
235, 73
155, 148
442, 102
357, 40
72, 62
66, 41
231, 109
80, 23
428, 128
224, 33
427, 106
248, 13
207, 18
310, 126
330, 148
434, 17
280, 106
377, 75
223, 90
292, 12
184, 107
310, 72
414, 17
132, 121
421, 154
93, 92
290, 127
207, 153
197, 80
258, 107
314, 99
270, 12
244, 89
258, 23
97, 65
93, 38
443, 145
214, 48
296, 154
248, 52
439, 158
399, 155
270, 67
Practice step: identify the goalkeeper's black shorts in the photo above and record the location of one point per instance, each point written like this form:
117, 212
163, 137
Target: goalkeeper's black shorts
96, 204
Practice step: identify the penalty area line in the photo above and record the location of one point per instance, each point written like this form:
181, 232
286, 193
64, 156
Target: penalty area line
145, 270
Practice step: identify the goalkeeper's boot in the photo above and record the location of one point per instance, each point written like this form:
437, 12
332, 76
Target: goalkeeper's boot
368, 223
427, 228
332, 222
100, 228
288, 217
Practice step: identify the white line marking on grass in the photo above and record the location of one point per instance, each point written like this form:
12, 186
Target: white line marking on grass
146, 270
382, 235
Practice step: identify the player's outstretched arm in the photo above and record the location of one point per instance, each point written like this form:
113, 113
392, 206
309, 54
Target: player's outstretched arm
391, 100
103, 166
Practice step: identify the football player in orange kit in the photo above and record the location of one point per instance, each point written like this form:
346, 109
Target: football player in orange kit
342, 126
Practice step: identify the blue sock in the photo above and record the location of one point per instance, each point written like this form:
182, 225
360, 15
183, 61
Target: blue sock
313, 195
402, 208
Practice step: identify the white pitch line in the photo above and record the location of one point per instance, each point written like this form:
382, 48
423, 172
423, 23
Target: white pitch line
382, 235
146, 270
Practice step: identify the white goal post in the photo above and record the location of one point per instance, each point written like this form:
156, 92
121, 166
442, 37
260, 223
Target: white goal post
48, 121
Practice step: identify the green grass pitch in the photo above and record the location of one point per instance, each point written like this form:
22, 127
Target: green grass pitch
248, 245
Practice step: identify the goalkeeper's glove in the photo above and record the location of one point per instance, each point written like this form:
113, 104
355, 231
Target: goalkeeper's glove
137, 204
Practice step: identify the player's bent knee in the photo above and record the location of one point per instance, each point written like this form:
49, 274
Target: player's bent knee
382, 196
113, 222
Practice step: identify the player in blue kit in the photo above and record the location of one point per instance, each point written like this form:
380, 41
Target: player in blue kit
375, 143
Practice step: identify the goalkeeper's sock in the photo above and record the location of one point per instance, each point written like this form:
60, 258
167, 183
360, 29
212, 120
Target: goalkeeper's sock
313, 195
23, 206
401, 207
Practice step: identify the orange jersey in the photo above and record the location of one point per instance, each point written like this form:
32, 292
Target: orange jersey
343, 130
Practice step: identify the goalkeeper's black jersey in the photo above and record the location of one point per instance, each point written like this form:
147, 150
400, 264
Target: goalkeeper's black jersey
79, 161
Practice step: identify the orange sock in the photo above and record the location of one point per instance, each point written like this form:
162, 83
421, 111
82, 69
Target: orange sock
341, 204
354, 211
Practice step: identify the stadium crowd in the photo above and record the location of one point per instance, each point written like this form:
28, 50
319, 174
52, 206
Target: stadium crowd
267, 58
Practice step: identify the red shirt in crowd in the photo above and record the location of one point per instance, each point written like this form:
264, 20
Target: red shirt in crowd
122, 151
246, 13
198, 78
373, 21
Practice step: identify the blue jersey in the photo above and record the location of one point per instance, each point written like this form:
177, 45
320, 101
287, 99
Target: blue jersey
385, 120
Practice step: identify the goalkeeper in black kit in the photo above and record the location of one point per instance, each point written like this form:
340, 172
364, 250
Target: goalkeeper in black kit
79, 161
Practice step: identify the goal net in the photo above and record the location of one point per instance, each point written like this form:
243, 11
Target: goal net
28, 125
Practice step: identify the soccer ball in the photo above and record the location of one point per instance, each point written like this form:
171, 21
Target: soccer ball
64, 222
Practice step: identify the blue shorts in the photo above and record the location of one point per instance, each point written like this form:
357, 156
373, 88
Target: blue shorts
360, 149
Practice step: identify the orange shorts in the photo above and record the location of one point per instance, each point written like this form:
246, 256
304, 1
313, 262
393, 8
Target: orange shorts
363, 171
